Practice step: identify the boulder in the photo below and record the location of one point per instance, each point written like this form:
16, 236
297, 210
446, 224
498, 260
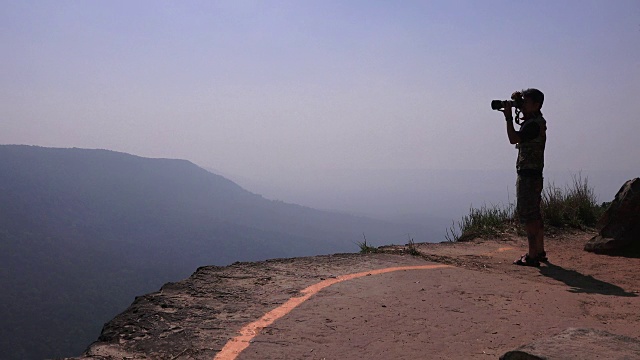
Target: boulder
577, 343
619, 226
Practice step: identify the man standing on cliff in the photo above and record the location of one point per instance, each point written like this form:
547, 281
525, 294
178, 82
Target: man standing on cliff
530, 141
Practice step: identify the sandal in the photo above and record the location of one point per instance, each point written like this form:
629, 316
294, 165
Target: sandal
527, 260
542, 257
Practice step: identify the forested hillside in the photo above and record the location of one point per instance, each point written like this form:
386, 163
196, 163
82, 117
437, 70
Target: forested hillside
82, 232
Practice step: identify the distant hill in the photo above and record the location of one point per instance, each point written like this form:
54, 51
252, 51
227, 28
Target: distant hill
82, 232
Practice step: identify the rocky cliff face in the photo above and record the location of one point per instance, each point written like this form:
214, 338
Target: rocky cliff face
619, 226
464, 293
195, 317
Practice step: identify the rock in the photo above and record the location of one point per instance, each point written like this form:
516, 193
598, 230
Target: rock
619, 226
576, 343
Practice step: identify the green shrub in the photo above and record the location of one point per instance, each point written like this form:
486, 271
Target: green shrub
575, 206
366, 248
411, 248
483, 222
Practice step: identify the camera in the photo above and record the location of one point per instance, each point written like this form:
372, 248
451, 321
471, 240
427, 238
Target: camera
516, 101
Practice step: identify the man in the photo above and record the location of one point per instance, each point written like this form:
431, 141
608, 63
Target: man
530, 141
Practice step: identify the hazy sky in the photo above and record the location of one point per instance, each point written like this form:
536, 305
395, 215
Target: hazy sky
283, 92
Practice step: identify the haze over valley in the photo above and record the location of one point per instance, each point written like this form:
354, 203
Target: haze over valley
434, 198
85, 231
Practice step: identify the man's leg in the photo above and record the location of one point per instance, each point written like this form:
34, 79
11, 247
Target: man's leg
528, 193
539, 223
540, 239
535, 237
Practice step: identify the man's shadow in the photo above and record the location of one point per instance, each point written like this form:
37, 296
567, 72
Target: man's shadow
582, 283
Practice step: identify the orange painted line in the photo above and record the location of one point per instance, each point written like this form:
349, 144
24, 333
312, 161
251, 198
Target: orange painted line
236, 345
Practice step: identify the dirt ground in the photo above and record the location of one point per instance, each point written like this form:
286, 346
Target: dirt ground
479, 307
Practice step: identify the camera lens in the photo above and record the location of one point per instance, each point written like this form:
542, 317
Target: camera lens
496, 104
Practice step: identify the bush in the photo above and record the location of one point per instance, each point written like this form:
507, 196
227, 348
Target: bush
483, 222
366, 248
575, 206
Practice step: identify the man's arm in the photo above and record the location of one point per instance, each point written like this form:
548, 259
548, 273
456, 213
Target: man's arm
514, 136
530, 131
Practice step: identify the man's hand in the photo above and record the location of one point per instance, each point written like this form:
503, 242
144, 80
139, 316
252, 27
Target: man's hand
507, 111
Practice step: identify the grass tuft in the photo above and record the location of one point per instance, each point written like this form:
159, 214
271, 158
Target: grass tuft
485, 222
411, 248
574, 206
366, 248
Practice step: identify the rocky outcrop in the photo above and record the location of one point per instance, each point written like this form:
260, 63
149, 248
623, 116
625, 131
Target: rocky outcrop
619, 226
575, 343
195, 317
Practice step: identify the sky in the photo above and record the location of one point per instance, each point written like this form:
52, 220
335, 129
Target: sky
295, 99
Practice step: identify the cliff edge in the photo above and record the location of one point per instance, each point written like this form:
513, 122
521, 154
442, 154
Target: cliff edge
433, 301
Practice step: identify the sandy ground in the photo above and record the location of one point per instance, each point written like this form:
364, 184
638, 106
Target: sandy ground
478, 308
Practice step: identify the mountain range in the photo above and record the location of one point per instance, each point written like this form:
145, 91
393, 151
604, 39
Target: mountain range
82, 232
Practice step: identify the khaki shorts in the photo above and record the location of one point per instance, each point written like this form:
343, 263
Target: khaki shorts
529, 197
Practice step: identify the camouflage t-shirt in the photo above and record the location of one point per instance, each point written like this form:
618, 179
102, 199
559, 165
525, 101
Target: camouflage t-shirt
531, 148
